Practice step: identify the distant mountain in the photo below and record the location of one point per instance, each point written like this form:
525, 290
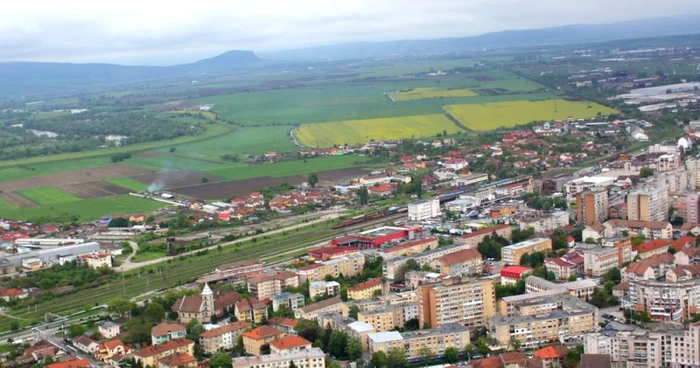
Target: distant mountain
22, 78
569, 34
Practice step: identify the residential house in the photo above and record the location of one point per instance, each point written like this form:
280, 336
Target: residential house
151, 355
85, 344
552, 356
110, 351
285, 324
108, 329
178, 360
289, 344
223, 337
254, 340
166, 331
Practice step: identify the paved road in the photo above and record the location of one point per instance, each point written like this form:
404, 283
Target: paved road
133, 266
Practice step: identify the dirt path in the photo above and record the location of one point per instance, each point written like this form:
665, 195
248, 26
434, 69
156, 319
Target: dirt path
127, 261
457, 122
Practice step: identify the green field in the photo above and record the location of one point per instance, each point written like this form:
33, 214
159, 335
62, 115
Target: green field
244, 140
423, 93
128, 183
508, 114
48, 195
169, 162
287, 168
87, 209
361, 131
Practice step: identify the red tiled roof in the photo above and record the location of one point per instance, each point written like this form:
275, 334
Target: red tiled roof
651, 245
516, 269
161, 348
551, 352
262, 332
177, 360
290, 342
214, 332
638, 224
165, 328
408, 245
639, 267
681, 242
484, 231
459, 256
367, 284
281, 321
559, 262
75, 363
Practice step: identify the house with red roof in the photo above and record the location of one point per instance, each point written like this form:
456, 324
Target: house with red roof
382, 190
11, 294
561, 268
511, 274
289, 344
652, 248
551, 356
683, 242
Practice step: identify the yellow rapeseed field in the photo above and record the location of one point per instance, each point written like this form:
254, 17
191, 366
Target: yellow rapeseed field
362, 131
508, 114
422, 93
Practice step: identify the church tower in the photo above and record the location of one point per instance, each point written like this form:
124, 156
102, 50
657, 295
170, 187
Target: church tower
207, 307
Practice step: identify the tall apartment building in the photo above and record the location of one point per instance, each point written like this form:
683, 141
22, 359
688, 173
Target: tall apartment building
389, 317
692, 203
470, 302
668, 346
265, 286
543, 320
513, 253
591, 207
413, 343
648, 205
423, 210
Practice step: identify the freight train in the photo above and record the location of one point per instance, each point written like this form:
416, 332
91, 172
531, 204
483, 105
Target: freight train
370, 216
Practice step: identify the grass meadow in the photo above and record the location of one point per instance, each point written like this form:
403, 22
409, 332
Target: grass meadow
48, 195
423, 93
490, 116
361, 131
128, 183
87, 209
287, 168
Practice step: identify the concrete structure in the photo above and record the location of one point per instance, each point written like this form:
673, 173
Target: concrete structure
423, 210
591, 207
465, 262
473, 239
582, 289
96, 259
650, 229
510, 275
265, 286
512, 254
321, 288
312, 311
311, 358
387, 318
562, 268
348, 266
597, 261
251, 310
648, 205
289, 344
291, 301
223, 337
437, 340
254, 339
466, 180
239, 270
109, 329
54, 255
692, 203
651, 248
469, 302
408, 248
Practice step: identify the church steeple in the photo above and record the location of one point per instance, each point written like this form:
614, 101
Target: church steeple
207, 307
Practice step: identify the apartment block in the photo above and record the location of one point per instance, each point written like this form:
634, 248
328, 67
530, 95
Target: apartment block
470, 302
543, 320
387, 318
437, 340
423, 210
675, 296
239, 270
265, 286
254, 339
623, 246
692, 203
591, 207
291, 301
348, 266
312, 311
251, 310
512, 254
546, 222
650, 229
321, 288
408, 248
597, 261
365, 290
582, 289
354, 329
648, 205
311, 358
222, 338
460, 263
473, 239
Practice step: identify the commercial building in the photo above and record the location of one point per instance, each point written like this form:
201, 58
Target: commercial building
53, 255
591, 207
366, 289
254, 339
599, 260
582, 289
348, 266
239, 270
311, 358
437, 340
291, 301
466, 180
151, 355
546, 222
423, 210
469, 302
543, 320
648, 205
222, 338
265, 286
377, 237
464, 262
512, 254
322, 288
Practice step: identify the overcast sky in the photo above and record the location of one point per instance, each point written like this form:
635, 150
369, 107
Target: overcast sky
169, 32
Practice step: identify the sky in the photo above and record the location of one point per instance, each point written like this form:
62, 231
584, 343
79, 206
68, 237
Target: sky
157, 32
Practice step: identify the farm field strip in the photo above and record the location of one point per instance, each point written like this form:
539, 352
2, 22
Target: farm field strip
490, 116
425, 93
128, 183
288, 168
48, 195
362, 131
88, 209
74, 176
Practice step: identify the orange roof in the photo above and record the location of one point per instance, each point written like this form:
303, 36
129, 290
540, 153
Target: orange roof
75, 363
111, 345
366, 285
290, 342
652, 245
262, 332
161, 348
177, 360
408, 245
493, 362
681, 242
281, 321
460, 256
551, 352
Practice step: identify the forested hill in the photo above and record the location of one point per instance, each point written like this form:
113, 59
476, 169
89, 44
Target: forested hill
20, 78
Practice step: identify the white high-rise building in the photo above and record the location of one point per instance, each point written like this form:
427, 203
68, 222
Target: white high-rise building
423, 210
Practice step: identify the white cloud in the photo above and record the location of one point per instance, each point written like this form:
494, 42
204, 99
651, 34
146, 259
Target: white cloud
167, 32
